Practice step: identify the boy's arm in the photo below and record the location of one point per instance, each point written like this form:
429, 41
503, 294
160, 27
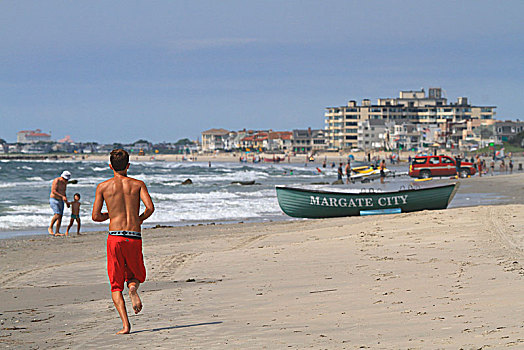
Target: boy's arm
97, 206
146, 199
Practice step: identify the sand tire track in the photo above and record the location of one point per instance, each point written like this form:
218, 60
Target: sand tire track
516, 247
246, 243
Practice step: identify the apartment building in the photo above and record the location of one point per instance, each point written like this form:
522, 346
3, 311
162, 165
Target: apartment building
415, 107
373, 134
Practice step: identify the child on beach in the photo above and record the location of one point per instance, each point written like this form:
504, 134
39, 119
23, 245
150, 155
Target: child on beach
125, 263
75, 214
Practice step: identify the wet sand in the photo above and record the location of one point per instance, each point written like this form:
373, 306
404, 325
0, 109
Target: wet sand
435, 279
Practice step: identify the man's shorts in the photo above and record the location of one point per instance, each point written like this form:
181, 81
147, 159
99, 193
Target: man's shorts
57, 205
124, 259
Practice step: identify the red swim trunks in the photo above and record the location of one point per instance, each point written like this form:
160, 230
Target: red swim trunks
124, 259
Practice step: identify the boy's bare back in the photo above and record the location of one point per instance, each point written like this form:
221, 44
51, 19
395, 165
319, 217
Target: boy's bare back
122, 195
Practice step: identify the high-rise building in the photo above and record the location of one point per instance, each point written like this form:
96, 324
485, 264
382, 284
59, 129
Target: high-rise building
411, 106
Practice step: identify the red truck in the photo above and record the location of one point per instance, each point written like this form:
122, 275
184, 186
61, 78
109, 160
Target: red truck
428, 166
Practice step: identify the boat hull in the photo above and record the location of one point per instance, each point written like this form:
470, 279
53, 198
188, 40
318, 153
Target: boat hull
302, 203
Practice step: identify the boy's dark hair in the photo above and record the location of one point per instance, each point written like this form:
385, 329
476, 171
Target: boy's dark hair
119, 159
77, 194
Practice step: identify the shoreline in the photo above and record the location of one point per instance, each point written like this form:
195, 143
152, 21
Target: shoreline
17, 234
232, 157
504, 188
340, 283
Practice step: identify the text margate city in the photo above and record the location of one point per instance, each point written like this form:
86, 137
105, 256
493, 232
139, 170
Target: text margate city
357, 202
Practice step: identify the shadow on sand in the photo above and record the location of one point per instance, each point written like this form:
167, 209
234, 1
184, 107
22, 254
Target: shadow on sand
175, 327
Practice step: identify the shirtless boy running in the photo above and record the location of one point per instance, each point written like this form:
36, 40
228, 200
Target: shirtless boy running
125, 263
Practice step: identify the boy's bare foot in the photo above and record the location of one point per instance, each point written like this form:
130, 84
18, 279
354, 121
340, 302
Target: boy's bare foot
135, 299
67, 233
59, 234
50, 230
125, 330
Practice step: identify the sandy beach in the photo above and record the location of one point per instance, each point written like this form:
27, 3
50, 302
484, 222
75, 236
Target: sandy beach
444, 279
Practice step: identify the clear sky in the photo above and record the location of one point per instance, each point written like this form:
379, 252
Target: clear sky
119, 71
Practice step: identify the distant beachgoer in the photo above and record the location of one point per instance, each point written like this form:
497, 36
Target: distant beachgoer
333, 164
511, 166
492, 167
458, 162
479, 166
502, 166
340, 172
348, 171
324, 164
382, 171
75, 214
209, 164
125, 262
57, 198
409, 160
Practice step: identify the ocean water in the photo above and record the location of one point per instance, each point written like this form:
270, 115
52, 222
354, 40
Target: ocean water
25, 188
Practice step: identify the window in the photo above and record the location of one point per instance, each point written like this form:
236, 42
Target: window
447, 160
419, 161
433, 160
